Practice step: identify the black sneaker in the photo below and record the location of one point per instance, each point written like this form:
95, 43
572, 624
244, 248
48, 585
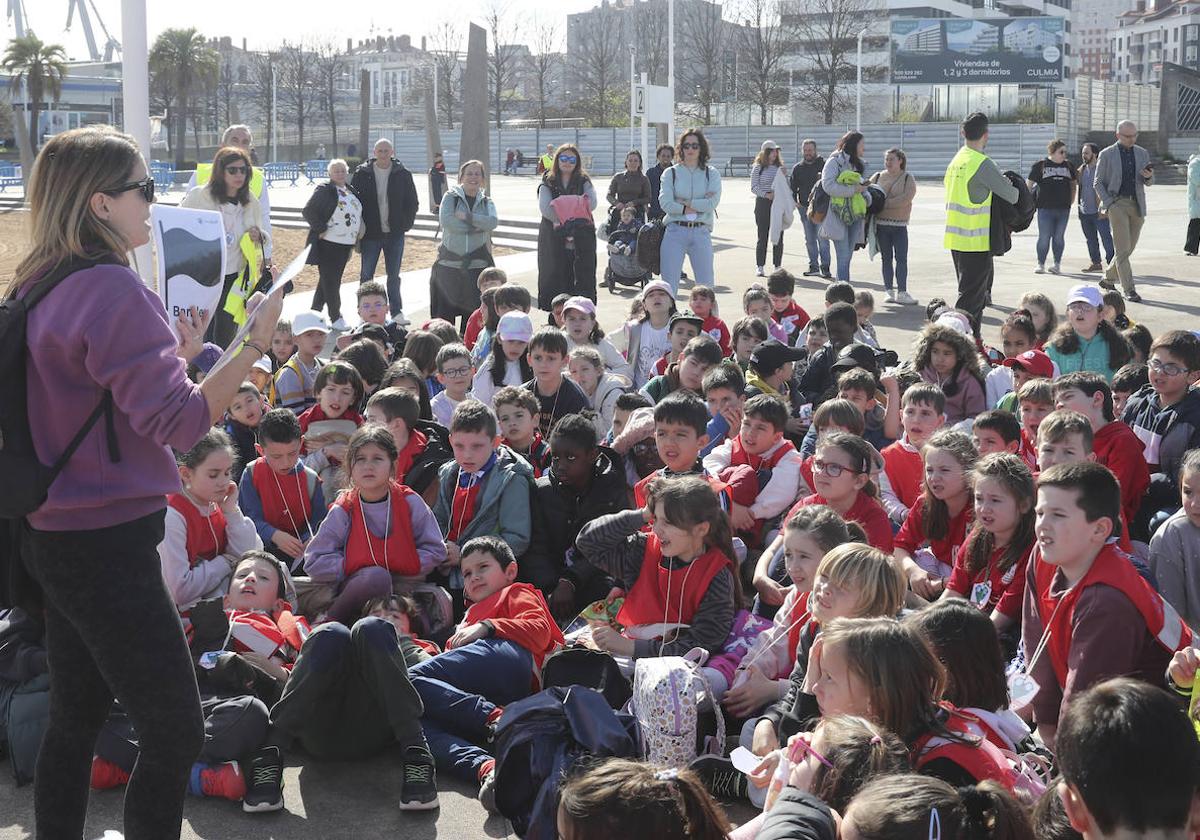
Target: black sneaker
720, 777
812, 272
826, 274
1108, 284
265, 782
487, 792
419, 787
1133, 297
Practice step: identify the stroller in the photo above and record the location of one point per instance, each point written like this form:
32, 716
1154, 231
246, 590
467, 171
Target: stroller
623, 266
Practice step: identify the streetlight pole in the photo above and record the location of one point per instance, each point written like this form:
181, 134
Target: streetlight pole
632, 92
671, 67
858, 112
274, 118
135, 92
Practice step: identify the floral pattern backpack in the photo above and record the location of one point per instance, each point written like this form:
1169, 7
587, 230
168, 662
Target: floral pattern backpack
667, 694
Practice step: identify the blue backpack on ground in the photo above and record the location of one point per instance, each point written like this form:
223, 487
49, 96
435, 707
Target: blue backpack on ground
539, 739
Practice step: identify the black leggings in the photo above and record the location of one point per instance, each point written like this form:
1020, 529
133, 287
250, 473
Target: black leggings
112, 631
331, 265
762, 218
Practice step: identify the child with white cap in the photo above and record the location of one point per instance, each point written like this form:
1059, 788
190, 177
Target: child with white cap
1086, 341
295, 380
647, 340
506, 363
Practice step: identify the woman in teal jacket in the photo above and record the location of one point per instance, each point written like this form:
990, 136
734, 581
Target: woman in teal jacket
467, 216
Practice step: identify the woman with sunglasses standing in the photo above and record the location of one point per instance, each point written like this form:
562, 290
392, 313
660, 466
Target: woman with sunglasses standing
100, 344
689, 194
567, 235
246, 234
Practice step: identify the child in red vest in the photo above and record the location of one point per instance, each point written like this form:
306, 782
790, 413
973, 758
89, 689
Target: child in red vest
375, 530
937, 522
422, 445
281, 496
1088, 614
703, 301
493, 658
781, 285
842, 469
205, 532
922, 412
681, 577
328, 425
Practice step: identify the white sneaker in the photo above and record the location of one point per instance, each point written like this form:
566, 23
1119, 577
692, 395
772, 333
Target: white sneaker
891, 295
906, 299
1041, 269
1055, 269
759, 272
400, 320
339, 325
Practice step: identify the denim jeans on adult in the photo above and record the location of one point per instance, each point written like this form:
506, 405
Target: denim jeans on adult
1052, 228
1095, 231
695, 243
893, 247
391, 245
843, 250
818, 248
459, 689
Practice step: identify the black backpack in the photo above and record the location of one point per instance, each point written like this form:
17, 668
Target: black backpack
26, 479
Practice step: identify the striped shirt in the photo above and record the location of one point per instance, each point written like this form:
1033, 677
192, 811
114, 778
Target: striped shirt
761, 179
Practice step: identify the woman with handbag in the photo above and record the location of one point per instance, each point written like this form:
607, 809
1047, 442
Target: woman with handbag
842, 180
334, 216
468, 216
567, 235
891, 224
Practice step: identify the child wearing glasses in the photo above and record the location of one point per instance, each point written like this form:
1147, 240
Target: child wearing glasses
454, 372
842, 470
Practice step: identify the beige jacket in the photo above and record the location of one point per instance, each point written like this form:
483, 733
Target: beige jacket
900, 191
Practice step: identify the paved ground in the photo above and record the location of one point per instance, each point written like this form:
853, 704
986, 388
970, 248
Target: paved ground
358, 800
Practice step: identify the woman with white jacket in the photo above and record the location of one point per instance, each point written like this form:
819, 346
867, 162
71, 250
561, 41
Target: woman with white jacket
767, 165
247, 232
842, 181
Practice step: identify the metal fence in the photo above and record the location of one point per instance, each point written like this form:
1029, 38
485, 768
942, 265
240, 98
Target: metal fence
928, 146
1099, 105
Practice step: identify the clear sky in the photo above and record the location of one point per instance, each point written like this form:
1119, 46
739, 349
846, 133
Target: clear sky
265, 22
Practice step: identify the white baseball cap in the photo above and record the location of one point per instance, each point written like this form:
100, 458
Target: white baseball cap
308, 321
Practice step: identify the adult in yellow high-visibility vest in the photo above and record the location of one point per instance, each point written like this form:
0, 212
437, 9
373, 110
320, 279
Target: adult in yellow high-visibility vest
971, 179
246, 232
239, 135
547, 160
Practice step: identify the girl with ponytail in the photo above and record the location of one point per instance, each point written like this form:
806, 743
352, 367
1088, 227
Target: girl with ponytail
685, 587
912, 807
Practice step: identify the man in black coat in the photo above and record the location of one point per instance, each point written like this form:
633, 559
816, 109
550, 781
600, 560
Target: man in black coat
390, 204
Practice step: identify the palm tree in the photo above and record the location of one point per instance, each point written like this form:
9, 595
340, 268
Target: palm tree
183, 64
41, 68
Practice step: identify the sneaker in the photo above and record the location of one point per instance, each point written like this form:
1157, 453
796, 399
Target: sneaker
1108, 284
107, 775
400, 319
493, 718
1133, 297
720, 777
487, 786
1094, 267
826, 274
759, 272
266, 782
776, 267
339, 325
221, 781
419, 787
891, 295
1041, 269
1055, 269
812, 272
906, 299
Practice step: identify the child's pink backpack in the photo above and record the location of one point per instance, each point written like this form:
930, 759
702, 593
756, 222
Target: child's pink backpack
668, 692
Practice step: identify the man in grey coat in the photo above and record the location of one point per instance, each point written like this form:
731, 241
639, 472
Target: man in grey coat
1122, 172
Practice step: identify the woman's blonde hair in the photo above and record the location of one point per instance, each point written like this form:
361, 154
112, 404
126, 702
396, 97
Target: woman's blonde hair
875, 576
472, 162
72, 167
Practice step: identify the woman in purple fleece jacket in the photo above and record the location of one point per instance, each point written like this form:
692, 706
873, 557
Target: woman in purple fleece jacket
112, 629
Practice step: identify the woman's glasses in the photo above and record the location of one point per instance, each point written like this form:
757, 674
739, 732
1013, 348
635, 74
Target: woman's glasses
146, 185
240, 169
689, 145
567, 159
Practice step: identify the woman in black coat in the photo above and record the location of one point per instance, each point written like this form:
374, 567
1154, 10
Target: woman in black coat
566, 246
334, 216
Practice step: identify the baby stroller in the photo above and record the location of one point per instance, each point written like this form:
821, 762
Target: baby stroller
623, 266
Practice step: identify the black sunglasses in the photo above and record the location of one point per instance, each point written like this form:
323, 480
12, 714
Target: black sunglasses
240, 169
146, 185
689, 145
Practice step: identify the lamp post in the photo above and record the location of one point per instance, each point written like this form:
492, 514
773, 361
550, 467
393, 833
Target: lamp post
858, 110
632, 92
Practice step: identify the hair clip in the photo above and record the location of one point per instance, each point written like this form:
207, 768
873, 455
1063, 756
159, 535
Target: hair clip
935, 825
667, 774
875, 739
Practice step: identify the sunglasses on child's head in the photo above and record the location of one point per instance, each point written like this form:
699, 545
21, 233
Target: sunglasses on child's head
146, 185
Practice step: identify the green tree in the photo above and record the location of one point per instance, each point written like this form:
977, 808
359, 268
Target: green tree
41, 68
182, 65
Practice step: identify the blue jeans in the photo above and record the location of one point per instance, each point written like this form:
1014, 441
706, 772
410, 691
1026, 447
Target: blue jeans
1096, 230
392, 247
844, 250
459, 689
696, 244
893, 246
1052, 227
818, 248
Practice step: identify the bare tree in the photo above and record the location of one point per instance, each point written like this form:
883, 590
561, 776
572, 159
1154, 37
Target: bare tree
825, 33
295, 80
445, 46
710, 49
544, 62
599, 48
262, 66
650, 39
226, 79
504, 59
760, 55
331, 66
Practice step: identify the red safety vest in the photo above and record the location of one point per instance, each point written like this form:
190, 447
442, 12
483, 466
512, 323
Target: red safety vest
205, 534
647, 602
396, 552
286, 500
973, 750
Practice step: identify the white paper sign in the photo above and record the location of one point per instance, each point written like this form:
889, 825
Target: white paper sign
191, 258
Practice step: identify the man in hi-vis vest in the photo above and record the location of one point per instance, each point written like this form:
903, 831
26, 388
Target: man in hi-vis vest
971, 179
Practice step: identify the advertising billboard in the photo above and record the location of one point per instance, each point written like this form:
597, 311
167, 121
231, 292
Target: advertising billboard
1024, 50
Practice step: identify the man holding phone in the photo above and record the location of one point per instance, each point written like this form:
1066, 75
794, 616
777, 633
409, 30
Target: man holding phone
1123, 171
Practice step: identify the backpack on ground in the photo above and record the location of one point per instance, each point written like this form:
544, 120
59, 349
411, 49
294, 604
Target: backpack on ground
668, 693
26, 479
648, 252
579, 665
539, 739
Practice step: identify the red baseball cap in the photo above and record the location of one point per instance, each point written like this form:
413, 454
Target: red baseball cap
1034, 361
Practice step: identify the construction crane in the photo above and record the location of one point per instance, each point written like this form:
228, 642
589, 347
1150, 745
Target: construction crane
16, 11
111, 44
